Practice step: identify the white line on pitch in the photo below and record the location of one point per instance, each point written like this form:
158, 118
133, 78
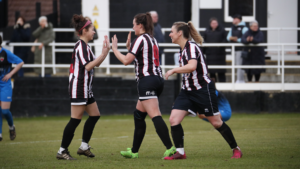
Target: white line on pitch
48, 141
122, 137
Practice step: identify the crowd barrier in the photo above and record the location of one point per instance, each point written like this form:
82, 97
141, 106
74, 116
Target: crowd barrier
281, 48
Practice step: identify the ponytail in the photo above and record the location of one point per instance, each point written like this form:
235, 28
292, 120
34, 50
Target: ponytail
146, 20
194, 33
189, 31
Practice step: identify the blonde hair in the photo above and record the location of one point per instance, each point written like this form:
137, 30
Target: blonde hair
189, 31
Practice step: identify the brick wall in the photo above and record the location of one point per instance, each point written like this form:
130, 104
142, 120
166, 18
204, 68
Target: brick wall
27, 9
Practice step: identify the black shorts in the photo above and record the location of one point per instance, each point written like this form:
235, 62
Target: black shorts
150, 87
203, 101
82, 101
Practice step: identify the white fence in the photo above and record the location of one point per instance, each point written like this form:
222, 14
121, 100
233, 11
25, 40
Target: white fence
164, 30
221, 86
281, 48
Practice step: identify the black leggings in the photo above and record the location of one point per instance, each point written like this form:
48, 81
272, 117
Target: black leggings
250, 75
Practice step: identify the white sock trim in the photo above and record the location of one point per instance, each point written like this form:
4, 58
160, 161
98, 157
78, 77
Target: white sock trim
84, 146
60, 150
180, 150
11, 127
237, 148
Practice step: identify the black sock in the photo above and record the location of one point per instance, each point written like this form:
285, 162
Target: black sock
89, 128
178, 135
139, 131
228, 135
162, 131
69, 132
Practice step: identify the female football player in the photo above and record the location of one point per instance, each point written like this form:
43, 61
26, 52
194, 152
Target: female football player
197, 89
145, 54
80, 88
6, 72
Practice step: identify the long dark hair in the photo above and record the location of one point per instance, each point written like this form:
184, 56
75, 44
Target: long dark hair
189, 31
146, 20
0, 40
78, 21
22, 19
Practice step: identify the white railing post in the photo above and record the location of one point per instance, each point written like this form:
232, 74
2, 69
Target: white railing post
163, 31
43, 62
278, 34
163, 63
282, 66
233, 66
108, 63
278, 59
53, 57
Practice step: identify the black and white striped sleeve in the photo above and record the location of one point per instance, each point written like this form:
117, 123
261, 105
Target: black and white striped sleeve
191, 51
83, 54
137, 46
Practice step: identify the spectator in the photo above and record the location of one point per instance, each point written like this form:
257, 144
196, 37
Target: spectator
256, 55
215, 33
21, 33
234, 35
44, 35
158, 35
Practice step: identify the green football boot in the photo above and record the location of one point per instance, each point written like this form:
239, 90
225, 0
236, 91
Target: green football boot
169, 152
129, 154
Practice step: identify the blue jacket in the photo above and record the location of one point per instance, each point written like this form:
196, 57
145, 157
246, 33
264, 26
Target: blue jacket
245, 29
159, 36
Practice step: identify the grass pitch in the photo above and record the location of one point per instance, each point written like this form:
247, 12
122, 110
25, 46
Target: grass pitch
267, 141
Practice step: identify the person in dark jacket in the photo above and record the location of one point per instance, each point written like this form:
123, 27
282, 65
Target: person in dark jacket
234, 36
44, 35
158, 35
256, 55
21, 33
215, 33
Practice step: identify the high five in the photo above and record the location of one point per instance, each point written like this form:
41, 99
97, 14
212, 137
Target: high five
145, 54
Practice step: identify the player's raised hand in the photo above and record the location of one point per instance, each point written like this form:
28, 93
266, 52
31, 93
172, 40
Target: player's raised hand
106, 45
128, 40
114, 42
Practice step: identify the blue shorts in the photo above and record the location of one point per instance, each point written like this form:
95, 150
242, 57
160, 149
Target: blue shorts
5, 92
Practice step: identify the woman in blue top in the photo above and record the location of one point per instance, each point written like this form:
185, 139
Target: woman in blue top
6, 72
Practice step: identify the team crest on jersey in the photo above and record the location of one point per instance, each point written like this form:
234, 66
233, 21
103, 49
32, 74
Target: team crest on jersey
1, 58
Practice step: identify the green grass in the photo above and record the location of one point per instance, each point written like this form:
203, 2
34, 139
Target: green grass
267, 141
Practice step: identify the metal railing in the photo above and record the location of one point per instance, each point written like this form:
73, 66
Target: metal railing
164, 30
221, 86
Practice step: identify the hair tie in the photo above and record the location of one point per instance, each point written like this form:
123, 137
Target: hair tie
86, 24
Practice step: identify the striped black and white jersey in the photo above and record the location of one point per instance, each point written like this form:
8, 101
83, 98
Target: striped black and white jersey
81, 80
196, 79
146, 52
